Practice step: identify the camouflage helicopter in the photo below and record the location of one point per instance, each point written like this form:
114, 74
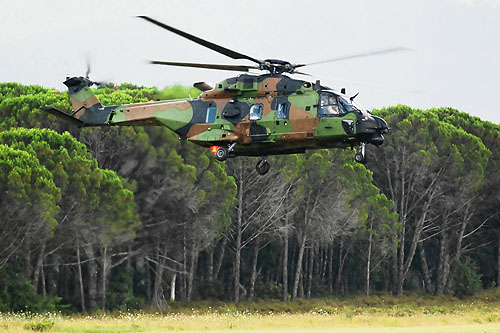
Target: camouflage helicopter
246, 115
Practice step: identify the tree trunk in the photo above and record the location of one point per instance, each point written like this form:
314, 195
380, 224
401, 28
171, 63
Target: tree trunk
239, 221
147, 277
404, 266
157, 297
498, 262
27, 257
443, 265
220, 258
172, 287
44, 289
210, 263
395, 260
105, 269
298, 268
38, 266
192, 269
331, 249
324, 264
300, 293
184, 265
253, 277
425, 268
284, 296
80, 279
468, 214
339, 269
310, 271
92, 277
369, 259
51, 280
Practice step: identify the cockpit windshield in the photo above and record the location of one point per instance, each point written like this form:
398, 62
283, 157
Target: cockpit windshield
351, 105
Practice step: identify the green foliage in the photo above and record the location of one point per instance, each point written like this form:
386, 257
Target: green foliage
17, 294
41, 326
177, 91
268, 290
211, 289
141, 190
467, 279
120, 295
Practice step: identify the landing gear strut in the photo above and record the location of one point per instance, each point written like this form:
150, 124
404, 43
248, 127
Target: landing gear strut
360, 156
262, 166
222, 153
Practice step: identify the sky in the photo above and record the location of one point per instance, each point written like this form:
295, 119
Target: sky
453, 56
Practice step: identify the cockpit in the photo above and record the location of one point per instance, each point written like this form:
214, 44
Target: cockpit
335, 105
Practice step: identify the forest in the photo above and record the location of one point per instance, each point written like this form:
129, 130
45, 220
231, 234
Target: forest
130, 218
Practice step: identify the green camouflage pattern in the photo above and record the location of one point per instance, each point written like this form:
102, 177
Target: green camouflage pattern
300, 125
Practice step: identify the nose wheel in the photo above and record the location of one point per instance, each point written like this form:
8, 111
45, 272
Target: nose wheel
222, 153
262, 167
360, 156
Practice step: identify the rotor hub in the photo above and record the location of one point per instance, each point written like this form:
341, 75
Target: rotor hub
276, 66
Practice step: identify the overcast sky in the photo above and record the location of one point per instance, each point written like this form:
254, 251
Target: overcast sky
454, 58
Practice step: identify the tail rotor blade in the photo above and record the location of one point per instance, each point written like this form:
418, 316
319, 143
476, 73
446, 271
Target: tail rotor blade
87, 73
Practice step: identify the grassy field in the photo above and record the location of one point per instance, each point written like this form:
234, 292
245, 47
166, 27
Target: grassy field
386, 314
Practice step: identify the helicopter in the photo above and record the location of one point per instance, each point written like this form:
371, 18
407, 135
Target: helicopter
246, 115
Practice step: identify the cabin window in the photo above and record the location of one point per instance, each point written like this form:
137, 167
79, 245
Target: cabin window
211, 112
329, 106
256, 112
283, 110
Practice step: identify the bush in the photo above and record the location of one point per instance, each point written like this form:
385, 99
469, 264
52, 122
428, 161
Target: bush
17, 294
41, 326
467, 279
268, 290
120, 295
211, 289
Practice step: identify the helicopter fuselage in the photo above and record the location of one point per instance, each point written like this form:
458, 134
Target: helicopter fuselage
264, 115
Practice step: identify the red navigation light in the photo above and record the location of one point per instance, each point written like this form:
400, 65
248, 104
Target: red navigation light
213, 149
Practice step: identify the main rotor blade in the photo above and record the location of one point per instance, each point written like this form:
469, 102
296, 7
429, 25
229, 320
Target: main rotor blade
358, 55
240, 68
217, 48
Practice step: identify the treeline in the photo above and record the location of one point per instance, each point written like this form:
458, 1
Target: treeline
131, 217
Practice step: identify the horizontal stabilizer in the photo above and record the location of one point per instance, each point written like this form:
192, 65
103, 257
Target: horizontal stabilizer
63, 115
203, 86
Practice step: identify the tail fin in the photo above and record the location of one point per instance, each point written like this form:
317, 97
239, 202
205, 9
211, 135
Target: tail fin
86, 107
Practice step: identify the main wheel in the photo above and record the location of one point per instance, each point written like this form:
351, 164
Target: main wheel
360, 158
262, 167
221, 154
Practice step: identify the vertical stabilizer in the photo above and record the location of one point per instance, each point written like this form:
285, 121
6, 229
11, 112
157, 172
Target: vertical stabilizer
86, 106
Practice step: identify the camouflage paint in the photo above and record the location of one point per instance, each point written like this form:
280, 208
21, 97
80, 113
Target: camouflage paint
303, 129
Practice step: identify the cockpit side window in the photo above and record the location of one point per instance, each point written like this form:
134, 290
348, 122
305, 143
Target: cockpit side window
329, 105
256, 111
283, 110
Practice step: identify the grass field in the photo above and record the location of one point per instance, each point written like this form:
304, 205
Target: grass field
386, 314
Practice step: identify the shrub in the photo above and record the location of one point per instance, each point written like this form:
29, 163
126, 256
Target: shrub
467, 279
40, 326
18, 294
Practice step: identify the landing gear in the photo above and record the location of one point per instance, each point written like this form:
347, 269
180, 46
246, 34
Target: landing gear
360, 156
222, 153
262, 167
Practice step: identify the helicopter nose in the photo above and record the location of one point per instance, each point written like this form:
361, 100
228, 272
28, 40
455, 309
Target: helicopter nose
381, 125
371, 129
